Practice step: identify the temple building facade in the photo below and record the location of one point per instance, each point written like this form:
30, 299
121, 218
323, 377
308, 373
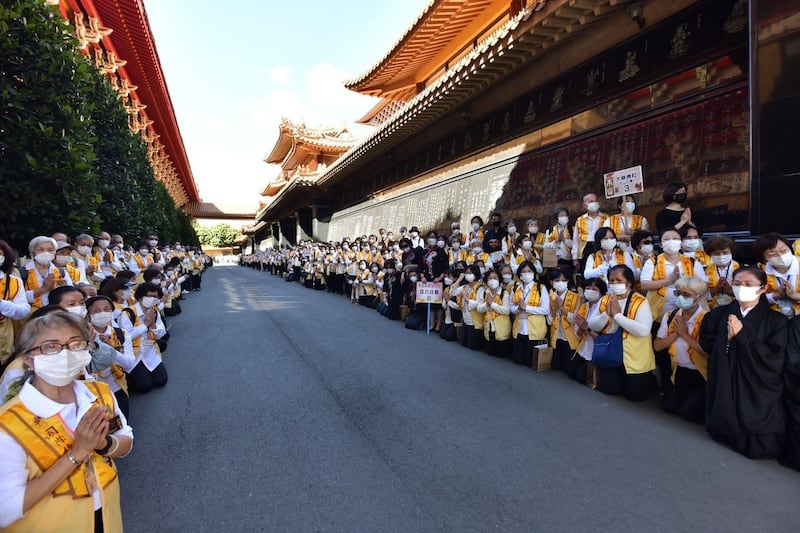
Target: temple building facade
522, 106
116, 35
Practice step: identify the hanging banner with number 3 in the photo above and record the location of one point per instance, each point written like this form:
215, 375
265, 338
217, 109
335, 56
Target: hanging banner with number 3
623, 182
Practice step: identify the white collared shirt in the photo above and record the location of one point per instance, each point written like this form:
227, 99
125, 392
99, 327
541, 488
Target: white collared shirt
148, 353
16, 307
33, 271
13, 471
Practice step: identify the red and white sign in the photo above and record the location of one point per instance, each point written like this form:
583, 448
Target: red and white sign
429, 292
623, 182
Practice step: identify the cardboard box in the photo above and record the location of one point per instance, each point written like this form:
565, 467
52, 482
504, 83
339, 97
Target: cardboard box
542, 358
549, 258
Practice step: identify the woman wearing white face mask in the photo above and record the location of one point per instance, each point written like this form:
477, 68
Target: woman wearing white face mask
783, 272
658, 277
42, 274
746, 342
606, 256
471, 295
642, 246
496, 321
563, 305
70, 299
530, 304
626, 223
87, 264
559, 236
455, 253
57, 433
626, 309
692, 245
142, 259
451, 330
679, 334
579, 366
103, 329
144, 325
720, 271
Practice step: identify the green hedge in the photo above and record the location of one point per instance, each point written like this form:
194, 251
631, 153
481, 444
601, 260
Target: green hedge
68, 161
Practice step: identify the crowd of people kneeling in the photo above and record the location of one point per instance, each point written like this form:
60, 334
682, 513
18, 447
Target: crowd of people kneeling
82, 326
718, 340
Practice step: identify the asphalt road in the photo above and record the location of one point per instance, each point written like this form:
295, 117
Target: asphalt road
291, 410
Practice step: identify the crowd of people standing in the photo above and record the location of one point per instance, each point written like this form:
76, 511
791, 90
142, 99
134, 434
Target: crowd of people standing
82, 328
625, 310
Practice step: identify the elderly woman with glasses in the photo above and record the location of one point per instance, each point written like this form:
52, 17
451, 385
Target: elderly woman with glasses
59, 435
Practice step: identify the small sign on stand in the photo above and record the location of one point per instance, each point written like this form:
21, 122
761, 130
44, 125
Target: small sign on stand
429, 292
623, 182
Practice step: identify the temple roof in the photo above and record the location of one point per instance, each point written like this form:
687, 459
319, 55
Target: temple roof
380, 112
443, 29
290, 136
123, 46
220, 210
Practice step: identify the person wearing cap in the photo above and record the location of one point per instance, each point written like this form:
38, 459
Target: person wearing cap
42, 274
68, 265
414, 237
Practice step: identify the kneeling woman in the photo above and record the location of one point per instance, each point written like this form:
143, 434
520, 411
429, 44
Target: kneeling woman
531, 305
629, 310
496, 321
143, 323
59, 435
680, 335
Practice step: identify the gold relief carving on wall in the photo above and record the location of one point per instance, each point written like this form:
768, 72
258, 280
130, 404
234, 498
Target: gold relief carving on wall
592, 81
506, 122
737, 20
680, 41
631, 68
530, 113
558, 99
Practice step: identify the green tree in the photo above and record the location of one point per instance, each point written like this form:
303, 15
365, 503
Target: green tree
217, 236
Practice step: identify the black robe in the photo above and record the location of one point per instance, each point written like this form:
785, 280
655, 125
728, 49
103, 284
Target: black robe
744, 405
792, 394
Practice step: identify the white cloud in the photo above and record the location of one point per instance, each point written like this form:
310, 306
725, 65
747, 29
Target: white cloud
280, 75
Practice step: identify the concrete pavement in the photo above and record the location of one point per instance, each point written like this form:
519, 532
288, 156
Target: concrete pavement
291, 410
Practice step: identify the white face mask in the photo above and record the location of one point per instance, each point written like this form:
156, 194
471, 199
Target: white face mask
390, 271
149, 302
591, 295
469, 277
415, 234
533, 229
79, 310
455, 246
672, 246
456, 231
684, 302
432, 241
153, 242
560, 286
126, 295
647, 249
527, 245
512, 230
144, 251
784, 261
477, 250
476, 226
44, 258
493, 283
102, 319
448, 281
84, 250
562, 221
507, 277
746, 295
721, 260
526, 277
103, 243
608, 244
413, 279
61, 369
593, 207
374, 269
440, 244
630, 207
690, 245
618, 288
2, 260
63, 260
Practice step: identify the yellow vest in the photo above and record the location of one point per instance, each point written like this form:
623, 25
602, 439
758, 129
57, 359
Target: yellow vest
657, 298
70, 507
638, 355
537, 324
571, 303
619, 223
136, 322
700, 362
502, 323
32, 283
774, 286
599, 259
477, 318
9, 288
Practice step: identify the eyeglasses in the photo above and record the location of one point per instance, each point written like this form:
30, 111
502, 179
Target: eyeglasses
50, 348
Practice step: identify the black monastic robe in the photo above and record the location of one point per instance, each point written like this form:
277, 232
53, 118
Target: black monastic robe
744, 405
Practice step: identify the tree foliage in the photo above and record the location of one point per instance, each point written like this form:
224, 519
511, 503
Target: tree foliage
68, 161
218, 236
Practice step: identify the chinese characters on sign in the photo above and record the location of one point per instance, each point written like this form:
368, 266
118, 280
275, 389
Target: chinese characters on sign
429, 293
622, 182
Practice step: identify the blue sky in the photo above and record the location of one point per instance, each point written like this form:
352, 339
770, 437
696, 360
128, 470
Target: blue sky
235, 68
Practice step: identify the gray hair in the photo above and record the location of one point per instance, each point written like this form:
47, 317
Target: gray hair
36, 241
83, 236
691, 283
36, 327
